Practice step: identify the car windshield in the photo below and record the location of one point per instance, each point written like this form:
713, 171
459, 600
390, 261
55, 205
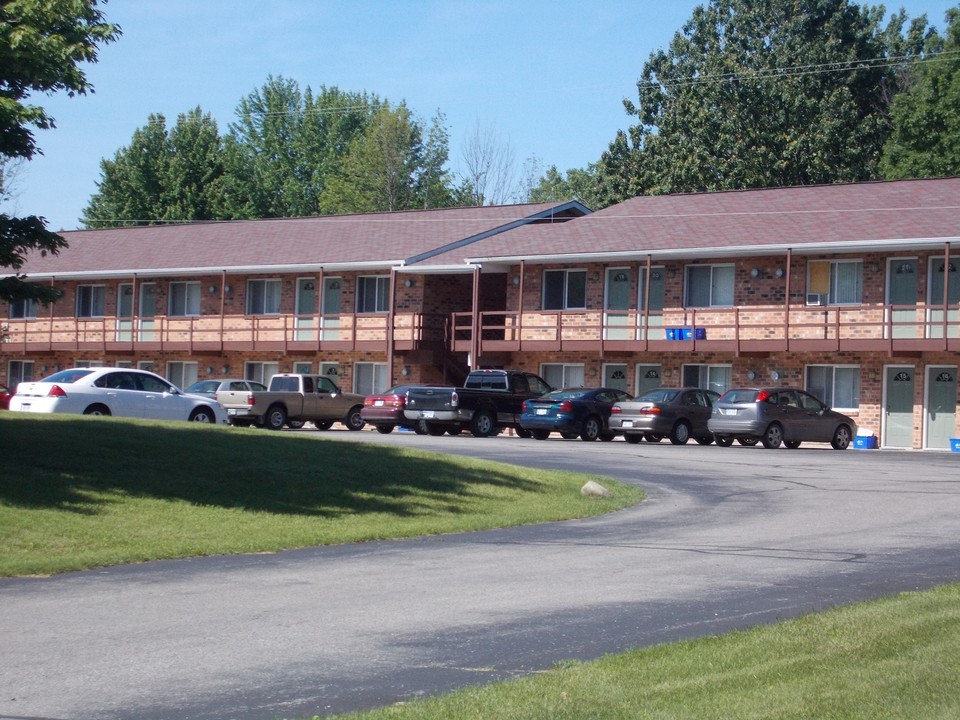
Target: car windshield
566, 394
204, 386
740, 396
68, 376
661, 395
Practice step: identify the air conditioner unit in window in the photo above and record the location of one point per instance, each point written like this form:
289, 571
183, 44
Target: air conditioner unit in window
815, 298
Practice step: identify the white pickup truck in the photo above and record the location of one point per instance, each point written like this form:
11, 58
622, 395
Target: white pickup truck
292, 400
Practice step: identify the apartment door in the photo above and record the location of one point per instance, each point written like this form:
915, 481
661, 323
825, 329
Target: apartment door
648, 378
650, 319
146, 329
615, 376
941, 273
902, 296
616, 317
330, 319
898, 409
941, 407
306, 318
125, 312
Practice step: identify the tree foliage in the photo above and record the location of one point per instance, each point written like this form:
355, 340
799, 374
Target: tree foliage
576, 184
925, 141
42, 46
761, 94
162, 176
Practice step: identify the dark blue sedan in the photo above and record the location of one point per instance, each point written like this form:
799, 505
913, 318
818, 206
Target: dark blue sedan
572, 412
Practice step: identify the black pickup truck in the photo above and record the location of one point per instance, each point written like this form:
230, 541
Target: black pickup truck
489, 401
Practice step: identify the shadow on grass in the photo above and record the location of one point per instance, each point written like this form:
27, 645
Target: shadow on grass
79, 463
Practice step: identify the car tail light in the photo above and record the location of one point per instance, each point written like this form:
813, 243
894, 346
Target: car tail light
565, 406
250, 400
57, 391
398, 400
762, 395
650, 410
367, 401
454, 399
524, 407
615, 410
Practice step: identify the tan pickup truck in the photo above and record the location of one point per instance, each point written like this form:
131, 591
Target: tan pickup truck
292, 400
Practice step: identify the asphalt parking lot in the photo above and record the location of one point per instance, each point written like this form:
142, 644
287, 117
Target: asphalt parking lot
728, 538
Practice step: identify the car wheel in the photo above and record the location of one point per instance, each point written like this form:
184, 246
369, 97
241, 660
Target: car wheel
569, 435
483, 424
773, 437
421, 428
540, 434
384, 429
705, 440
97, 410
841, 438
295, 424
633, 438
791, 444
435, 430
723, 440
353, 419
276, 417
748, 442
454, 430
607, 436
591, 429
323, 424
521, 432
203, 415
680, 434
652, 437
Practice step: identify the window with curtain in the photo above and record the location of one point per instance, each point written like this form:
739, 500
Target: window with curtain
90, 301
263, 298
836, 385
710, 286
836, 282
373, 293
369, 378
184, 299
559, 375
564, 289
708, 377
23, 309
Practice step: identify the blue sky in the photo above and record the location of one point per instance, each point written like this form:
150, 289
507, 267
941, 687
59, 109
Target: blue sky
548, 76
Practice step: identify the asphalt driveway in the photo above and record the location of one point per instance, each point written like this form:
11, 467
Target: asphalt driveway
727, 538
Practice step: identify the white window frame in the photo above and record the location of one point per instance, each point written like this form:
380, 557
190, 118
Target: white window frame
19, 371
370, 378
95, 300
708, 379
571, 374
23, 309
832, 291
88, 363
303, 368
381, 294
269, 301
182, 373
183, 299
330, 370
713, 301
147, 365
260, 371
828, 395
567, 303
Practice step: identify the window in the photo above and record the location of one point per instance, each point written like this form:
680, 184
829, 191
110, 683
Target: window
19, 371
302, 368
710, 286
369, 378
559, 375
836, 385
90, 301
564, 289
146, 365
182, 374
708, 377
834, 282
184, 299
88, 363
373, 294
263, 298
260, 371
21, 309
330, 370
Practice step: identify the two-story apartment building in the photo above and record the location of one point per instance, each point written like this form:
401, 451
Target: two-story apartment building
851, 291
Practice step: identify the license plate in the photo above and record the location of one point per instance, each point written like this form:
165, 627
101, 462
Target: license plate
25, 407
541, 411
426, 413
627, 423
728, 411
232, 411
378, 403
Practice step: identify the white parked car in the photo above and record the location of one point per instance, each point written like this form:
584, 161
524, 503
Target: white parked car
114, 391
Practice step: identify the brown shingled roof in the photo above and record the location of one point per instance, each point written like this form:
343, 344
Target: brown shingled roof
373, 240
893, 213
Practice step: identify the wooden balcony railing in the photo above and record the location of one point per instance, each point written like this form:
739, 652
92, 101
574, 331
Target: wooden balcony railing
738, 330
342, 332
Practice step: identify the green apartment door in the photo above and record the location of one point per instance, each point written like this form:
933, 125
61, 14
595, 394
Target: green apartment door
330, 320
617, 305
651, 318
898, 413
941, 407
901, 293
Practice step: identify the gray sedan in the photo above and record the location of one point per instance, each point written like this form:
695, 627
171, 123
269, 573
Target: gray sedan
778, 415
677, 413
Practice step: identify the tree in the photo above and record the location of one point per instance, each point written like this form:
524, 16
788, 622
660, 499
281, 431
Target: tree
489, 166
162, 176
760, 94
925, 141
42, 44
577, 184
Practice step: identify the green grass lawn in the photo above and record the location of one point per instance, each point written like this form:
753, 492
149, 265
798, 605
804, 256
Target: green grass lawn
896, 658
81, 492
